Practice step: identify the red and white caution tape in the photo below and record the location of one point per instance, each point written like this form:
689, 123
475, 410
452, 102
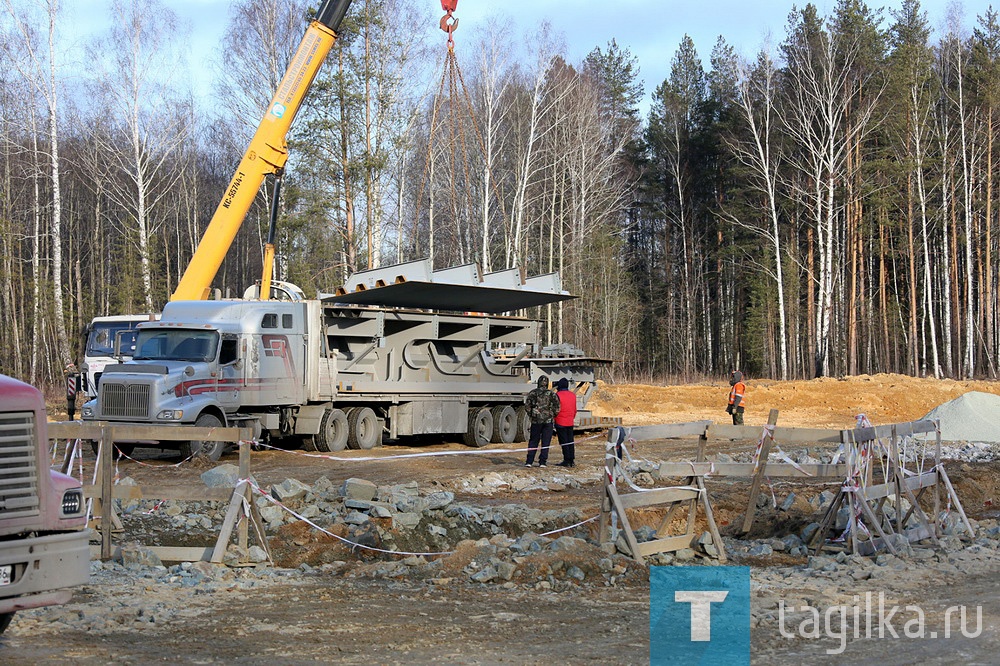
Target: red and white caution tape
768, 432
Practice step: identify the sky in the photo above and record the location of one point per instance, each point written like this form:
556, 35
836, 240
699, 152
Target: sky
650, 29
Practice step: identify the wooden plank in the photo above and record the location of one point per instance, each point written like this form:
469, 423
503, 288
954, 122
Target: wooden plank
232, 515
106, 484
243, 537
881, 490
657, 496
713, 529
667, 545
785, 435
158, 492
74, 430
957, 502
876, 525
887, 431
818, 539
759, 476
668, 430
921, 516
166, 553
817, 470
626, 526
122, 432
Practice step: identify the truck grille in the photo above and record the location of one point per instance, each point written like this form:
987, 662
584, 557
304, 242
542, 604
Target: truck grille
18, 465
129, 400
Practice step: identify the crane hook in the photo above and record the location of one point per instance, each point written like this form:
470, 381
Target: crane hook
448, 22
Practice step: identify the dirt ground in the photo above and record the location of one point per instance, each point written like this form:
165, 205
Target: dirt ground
817, 403
334, 618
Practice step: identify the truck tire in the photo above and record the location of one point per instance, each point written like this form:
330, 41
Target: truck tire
333, 431
504, 424
210, 450
120, 449
523, 424
5, 619
480, 429
364, 431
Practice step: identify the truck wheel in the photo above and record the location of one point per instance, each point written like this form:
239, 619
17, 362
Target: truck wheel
523, 424
364, 430
120, 449
5, 619
211, 450
480, 429
504, 424
333, 431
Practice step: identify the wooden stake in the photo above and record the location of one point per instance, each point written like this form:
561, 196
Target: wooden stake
626, 527
105, 448
765, 449
958, 503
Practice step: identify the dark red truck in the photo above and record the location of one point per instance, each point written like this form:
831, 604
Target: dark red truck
44, 542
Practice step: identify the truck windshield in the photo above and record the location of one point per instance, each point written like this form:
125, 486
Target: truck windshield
101, 341
176, 345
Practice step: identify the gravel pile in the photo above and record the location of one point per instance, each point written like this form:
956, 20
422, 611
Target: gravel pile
972, 417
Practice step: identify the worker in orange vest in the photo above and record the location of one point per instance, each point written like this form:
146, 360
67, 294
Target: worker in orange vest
737, 397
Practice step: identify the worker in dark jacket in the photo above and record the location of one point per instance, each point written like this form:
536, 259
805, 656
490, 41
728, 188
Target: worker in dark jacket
737, 397
542, 407
564, 422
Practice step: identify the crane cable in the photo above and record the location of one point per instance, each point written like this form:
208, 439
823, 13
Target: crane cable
452, 73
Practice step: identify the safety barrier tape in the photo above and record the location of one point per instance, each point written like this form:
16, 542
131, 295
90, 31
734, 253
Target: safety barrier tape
784, 456
768, 432
402, 456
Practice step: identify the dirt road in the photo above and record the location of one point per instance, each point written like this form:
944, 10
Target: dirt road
347, 613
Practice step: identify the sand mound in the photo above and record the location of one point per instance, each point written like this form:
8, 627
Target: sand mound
971, 417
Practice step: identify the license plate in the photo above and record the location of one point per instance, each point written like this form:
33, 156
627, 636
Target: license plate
6, 573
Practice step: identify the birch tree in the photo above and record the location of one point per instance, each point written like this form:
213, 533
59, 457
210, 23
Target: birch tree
757, 101
136, 87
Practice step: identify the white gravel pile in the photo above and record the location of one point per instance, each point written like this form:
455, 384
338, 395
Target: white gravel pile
972, 417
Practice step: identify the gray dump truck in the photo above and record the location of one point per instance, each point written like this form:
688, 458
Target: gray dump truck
44, 543
404, 351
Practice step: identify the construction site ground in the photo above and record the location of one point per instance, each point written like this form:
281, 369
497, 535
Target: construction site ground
333, 614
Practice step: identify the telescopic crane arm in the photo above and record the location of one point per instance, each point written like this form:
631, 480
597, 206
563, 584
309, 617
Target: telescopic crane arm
266, 154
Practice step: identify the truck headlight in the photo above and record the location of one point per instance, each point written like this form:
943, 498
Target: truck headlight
170, 415
87, 412
72, 502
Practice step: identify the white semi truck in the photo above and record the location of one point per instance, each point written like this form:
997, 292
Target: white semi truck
109, 339
348, 369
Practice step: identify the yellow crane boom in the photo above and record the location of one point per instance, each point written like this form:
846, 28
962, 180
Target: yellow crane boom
266, 154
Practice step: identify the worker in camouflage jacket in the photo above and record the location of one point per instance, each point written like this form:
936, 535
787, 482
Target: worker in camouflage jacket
543, 405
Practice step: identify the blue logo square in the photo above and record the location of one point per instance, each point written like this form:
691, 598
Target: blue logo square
699, 615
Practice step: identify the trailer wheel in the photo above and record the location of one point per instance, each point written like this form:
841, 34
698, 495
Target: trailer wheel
210, 450
523, 424
504, 424
365, 432
333, 431
480, 429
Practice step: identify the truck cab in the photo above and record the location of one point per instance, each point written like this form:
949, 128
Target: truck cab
107, 340
44, 542
203, 363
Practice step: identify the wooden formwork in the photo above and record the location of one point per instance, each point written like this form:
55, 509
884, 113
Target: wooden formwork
865, 499
675, 499
242, 510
